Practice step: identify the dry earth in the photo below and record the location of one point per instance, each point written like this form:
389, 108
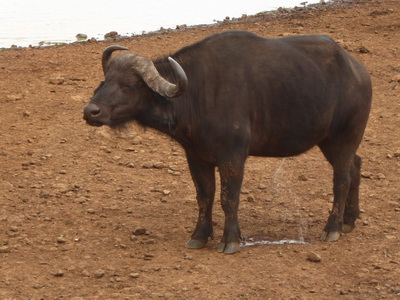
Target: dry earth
72, 196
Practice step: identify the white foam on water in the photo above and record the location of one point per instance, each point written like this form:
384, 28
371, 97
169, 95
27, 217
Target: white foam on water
251, 243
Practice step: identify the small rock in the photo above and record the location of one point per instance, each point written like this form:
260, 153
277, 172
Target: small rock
366, 175
262, 187
166, 192
381, 176
81, 36
302, 177
148, 165
6, 186
99, 274
56, 80
134, 275
26, 114
396, 78
158, 165
91, 211
251, 198
181, 27
137, 140
139, 231
314, 257
148, 256
363, 49
111, 35
5, 249
61, 240
393, 86
59, 273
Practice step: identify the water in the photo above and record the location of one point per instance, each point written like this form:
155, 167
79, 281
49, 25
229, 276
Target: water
29, 22
282, 191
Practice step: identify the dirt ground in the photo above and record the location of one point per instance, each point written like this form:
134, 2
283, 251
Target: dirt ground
87, 213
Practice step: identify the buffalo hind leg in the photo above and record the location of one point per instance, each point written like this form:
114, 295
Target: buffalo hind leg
231, 173
203, 176
345, 189
352, 210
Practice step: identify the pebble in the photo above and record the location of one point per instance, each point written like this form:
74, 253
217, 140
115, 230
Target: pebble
56, 80
245, 192
396, 78
61, 240
81, 36
134, 275
5, 249
148, 165
111, 35
130, 165
148, 256
363, 49
251, 198
369, 175
59, 273
137, 140
302, 177
7, 186
99, 273
314, 257
139, 231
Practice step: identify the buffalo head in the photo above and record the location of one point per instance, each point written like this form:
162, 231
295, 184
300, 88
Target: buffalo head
130, 82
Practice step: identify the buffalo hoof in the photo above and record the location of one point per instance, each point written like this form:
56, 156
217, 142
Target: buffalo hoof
347, 228
330, 236
195, 244
229, 248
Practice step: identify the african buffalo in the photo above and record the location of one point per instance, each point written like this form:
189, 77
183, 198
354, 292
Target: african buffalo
236, 94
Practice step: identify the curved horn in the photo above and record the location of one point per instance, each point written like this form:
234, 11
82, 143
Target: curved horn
107, 55
146, 69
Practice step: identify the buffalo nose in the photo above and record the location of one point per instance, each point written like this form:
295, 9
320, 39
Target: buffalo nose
91, 110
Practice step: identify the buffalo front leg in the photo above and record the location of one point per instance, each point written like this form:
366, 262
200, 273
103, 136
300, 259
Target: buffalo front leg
203, 176
231, 173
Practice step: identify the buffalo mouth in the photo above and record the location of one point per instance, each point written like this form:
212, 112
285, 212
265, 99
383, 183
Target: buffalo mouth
93, 123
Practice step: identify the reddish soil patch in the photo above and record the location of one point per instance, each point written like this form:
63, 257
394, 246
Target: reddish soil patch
71, 195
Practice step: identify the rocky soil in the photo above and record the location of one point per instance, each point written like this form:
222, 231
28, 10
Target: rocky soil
87, 213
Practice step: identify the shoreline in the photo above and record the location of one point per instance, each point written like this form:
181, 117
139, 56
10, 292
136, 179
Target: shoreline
281, 13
